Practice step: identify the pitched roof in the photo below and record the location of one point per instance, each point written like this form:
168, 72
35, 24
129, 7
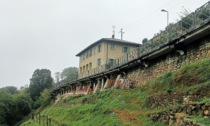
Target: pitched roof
108, 40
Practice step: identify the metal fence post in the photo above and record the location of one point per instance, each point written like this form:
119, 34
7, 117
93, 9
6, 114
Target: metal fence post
47, 119
43, 119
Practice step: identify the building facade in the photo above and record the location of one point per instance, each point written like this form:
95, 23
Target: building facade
103, 53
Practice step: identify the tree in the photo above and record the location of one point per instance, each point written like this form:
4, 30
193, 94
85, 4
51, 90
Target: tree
11, 89
5, 106
45, 98
57, 76
69, 74
25, 87
145, 40
57, 79
13, 106
41, 79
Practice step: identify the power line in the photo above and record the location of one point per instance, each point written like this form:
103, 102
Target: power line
149, 18
148, 15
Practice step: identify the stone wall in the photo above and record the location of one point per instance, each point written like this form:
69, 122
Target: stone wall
178, 117
178, 97
198, 50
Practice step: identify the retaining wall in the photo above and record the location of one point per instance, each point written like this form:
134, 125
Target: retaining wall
198, 50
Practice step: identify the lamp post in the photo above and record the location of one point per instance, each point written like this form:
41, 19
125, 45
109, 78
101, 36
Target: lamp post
163, 10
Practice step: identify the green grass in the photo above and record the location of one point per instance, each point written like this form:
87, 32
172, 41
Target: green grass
195, 73
200, 120
115, 107
204, 100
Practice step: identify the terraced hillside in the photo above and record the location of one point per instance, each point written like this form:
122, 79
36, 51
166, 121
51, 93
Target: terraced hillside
175, 98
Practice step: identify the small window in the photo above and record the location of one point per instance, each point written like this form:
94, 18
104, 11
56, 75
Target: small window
80, 69
99, 62
90, 53
112, 46
125, 49
83, 56
87, 67
111, 61
94, 50
86, 55
83, 69
99, 48
90, 65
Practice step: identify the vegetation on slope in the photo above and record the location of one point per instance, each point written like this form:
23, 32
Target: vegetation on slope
14, 105
115, 107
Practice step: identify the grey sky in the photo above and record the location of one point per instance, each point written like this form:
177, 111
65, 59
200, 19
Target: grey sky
49, 33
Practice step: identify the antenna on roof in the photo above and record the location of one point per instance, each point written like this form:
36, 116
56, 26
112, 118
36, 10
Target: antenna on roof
121, 32
113, 35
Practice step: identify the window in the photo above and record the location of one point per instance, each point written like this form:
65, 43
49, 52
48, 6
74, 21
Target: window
83, 69
112, 46
125, 49
94, 50
90, 65
80, 69
90, 53
99, 62
86, 67
86, 55
111, 62
99, 48
83, 56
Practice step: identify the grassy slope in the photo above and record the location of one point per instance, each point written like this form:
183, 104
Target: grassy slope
115, 107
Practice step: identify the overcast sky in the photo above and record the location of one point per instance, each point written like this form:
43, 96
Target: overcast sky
49, 33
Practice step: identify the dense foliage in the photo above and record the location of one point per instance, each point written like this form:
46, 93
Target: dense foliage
67, 75
14, 105
41, 79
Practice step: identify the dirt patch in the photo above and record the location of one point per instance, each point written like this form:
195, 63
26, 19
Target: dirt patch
131, 118
126, 115
134, 101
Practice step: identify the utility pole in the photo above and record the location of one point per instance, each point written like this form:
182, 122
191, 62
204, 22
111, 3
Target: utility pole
121, 32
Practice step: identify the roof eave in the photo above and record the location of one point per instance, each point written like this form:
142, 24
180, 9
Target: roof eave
104, 39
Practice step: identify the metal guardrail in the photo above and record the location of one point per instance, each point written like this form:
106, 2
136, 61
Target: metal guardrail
172, 32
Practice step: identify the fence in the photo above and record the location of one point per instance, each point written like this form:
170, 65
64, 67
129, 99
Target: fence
44, 120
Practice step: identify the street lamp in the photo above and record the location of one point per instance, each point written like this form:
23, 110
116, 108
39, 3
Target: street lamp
163, 10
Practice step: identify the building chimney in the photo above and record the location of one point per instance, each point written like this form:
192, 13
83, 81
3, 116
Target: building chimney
113, 36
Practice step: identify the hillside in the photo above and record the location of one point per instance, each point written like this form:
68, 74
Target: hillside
175, 98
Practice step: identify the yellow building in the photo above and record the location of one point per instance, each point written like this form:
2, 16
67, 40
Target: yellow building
99, 55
